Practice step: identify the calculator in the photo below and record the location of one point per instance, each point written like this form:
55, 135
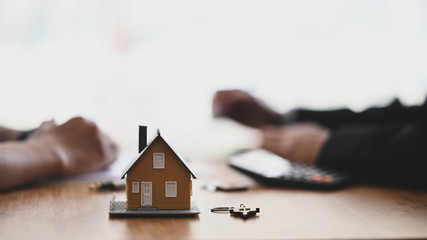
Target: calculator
271, 169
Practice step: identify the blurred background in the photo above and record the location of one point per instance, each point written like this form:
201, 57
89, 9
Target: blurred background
158, 63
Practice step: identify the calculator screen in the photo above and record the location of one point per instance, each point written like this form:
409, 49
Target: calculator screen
262, 162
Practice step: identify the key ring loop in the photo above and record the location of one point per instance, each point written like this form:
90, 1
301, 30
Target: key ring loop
221, 209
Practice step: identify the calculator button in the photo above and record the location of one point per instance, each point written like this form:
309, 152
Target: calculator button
328, 179
319, 178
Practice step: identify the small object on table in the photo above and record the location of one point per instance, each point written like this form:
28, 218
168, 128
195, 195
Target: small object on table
242, 211
148, 194
217, 185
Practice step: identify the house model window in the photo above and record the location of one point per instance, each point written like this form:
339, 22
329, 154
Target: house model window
135, 187
159, 160
171, 189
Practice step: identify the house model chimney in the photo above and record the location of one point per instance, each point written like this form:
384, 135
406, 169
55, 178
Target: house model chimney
142, 143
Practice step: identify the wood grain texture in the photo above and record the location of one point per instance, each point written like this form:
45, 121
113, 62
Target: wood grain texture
73, 211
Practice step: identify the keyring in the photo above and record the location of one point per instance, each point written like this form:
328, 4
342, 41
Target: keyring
221, 209
242, 211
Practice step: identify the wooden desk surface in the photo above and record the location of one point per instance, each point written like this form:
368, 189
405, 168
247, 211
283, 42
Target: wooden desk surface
73, 211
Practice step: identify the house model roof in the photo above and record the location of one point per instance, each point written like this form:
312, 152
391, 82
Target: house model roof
148, 145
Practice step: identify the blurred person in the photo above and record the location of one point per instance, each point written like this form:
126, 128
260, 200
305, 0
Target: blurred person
380, 143
75, 147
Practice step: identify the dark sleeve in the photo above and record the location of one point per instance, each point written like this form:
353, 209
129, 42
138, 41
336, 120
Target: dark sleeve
393, 153
381, 142
395, 113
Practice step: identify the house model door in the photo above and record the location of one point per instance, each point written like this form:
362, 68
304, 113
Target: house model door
146, 193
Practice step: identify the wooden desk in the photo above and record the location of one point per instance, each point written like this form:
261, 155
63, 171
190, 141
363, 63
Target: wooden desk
73, 211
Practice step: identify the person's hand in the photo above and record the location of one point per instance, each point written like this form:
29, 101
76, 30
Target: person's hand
244, 108
79, 143
299, 143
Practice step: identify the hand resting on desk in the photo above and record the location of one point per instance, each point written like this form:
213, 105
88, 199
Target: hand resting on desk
75, 147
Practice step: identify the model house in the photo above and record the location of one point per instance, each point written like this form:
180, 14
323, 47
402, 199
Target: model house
158, 178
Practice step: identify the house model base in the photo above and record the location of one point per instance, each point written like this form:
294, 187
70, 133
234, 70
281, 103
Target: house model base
118, 209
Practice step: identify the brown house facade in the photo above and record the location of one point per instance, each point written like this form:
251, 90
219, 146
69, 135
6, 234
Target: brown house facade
158, 178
